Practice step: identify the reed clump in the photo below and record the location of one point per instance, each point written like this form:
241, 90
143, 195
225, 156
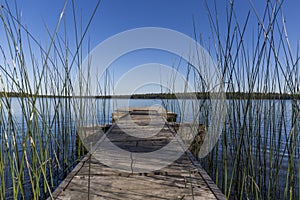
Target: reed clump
257, 155
38, 144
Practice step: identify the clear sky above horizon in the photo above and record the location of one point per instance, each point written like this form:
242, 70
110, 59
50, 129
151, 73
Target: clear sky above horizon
115, 16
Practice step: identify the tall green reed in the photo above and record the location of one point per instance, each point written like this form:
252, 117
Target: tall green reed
35, 143
257, 155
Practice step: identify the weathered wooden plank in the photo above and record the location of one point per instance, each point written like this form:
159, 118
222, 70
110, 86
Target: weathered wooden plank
182, 179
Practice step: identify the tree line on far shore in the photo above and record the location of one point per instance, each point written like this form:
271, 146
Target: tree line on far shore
199, 95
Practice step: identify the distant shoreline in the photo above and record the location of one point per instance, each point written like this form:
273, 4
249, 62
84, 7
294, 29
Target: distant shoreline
206, 95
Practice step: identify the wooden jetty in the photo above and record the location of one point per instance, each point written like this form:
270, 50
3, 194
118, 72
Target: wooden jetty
120, 112
97, 177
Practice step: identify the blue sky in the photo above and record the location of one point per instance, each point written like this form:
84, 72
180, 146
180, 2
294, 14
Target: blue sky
115, 16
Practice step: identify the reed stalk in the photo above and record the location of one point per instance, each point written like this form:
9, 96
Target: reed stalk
37, 133
260, 141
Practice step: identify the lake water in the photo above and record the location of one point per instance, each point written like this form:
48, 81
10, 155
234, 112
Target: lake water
258, 150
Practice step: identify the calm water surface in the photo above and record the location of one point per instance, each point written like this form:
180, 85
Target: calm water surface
269, 130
